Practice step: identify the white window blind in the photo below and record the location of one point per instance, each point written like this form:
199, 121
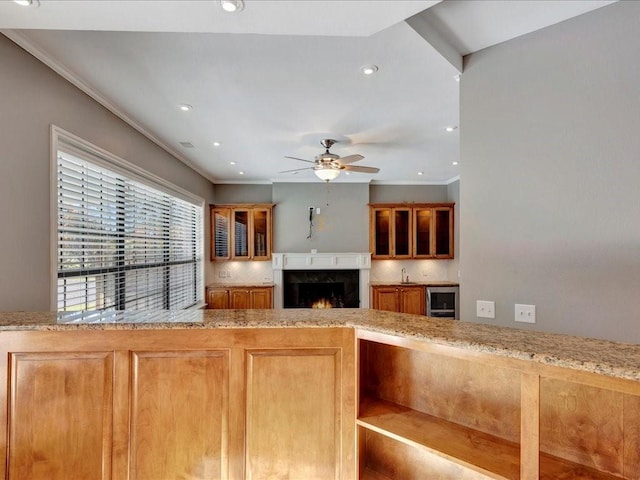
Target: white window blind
123, 244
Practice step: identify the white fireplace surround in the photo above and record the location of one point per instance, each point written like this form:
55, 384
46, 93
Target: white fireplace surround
321, 261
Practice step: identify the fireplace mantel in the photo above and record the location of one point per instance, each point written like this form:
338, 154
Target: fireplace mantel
321, 261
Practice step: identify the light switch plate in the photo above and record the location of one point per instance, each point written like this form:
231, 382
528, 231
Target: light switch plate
485, 309
525, 313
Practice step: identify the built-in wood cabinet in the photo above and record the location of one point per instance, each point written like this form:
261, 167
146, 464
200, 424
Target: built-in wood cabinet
390, 231
404, 231
239, 297
293, 413
401, 299
60, 417
433, 411
178, 404
241, 232
179, 410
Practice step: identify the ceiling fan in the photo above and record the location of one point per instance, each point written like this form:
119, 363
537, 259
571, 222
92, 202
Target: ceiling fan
327, 166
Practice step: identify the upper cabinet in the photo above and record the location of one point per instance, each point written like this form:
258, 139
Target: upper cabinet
390, 231
404, 231
241, 232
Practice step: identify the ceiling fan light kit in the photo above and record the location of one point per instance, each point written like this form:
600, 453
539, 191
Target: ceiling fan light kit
327, 166
327, 174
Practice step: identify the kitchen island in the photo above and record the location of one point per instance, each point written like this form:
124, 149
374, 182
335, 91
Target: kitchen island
306, 394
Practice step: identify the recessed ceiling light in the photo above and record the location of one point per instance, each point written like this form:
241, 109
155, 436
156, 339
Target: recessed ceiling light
420, 173
454, 163
185, 107
232, 6
369, 69
456, 77
451, 128
27, 3
241, 173
216, 144
232, 163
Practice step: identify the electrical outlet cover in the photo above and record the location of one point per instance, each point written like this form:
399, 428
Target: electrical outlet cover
525, 313
485, 309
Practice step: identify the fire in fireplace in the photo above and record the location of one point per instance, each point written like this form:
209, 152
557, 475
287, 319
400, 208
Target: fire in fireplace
321, 288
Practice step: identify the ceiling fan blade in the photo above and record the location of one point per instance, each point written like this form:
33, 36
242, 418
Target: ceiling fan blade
297, 170
350, 159
360, 169
301, 159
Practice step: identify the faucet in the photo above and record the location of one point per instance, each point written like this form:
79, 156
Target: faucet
403, 275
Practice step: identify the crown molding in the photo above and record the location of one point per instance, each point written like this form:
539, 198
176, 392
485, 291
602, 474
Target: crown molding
58, 67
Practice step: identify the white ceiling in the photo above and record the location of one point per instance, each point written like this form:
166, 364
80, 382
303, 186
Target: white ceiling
276, 78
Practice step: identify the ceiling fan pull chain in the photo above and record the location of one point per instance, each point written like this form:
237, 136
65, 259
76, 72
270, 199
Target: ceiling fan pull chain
327, 182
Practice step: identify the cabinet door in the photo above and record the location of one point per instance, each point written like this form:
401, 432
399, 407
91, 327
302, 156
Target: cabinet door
217, 298
240, 298
179, 411
386, 298
240, 228
60, 416
220, 238
261, 233
261, 298
423, 229
443, 243
294, 417
412, 300
402, 226
380, 233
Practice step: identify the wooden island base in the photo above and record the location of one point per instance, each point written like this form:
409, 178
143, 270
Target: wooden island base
179, 404
336, 396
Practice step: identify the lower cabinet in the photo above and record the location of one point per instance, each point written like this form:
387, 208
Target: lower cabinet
402, 299
178, 404
239, 297
60, 415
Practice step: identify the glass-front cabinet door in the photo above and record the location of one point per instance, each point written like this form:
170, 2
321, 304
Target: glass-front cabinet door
240, 234
220, 238
444, 232
401, 232
261, 239
380, 235
422, 219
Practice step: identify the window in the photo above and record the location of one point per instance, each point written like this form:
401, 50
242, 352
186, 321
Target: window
125, 240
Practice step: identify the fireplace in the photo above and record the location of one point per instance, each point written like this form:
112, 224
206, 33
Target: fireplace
342, 279
321, 289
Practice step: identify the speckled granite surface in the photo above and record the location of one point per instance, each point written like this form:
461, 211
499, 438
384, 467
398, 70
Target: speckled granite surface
599, 356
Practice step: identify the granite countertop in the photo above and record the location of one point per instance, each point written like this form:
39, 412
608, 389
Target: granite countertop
614, 359
426, 283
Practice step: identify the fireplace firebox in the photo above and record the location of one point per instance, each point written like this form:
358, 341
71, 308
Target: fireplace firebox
321, 288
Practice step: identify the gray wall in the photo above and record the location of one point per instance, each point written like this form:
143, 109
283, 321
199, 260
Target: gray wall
550, 171
453, 195
342, 226
32, 97
408, 193
243, 193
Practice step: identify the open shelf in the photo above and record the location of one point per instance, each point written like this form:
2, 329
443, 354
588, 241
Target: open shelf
489, 455
368, 474
554, 468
